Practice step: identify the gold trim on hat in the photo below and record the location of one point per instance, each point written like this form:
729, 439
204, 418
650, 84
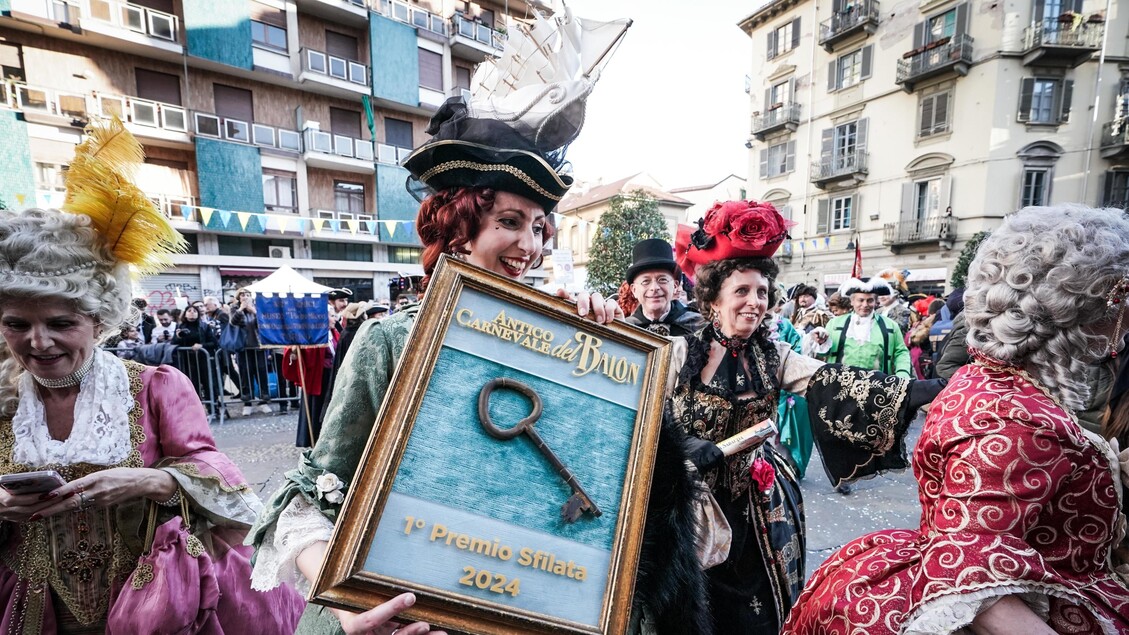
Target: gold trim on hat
488, 167
427, 147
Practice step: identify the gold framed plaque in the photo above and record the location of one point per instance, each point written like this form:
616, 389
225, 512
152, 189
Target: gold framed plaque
506, 479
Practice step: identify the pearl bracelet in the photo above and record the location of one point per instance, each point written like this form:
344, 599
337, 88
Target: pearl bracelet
173, 500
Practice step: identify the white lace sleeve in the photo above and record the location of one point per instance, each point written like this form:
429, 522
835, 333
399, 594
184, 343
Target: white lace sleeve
299, 526
953, 614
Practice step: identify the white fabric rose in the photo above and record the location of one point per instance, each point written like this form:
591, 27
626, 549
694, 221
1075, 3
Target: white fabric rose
329, 488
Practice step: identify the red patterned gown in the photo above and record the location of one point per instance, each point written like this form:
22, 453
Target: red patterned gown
1016, 499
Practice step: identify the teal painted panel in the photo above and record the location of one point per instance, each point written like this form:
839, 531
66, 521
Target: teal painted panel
220, 30
395, 60
17, 175
5, 6
230, 176
393, 202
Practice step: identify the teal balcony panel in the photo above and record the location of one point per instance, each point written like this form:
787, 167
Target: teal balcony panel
219, 30
393, 202
395, 60
17, 176
231, 177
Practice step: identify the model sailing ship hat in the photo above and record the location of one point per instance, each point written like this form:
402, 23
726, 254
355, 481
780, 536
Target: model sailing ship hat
526, 108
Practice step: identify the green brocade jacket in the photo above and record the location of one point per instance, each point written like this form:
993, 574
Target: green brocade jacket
357, 396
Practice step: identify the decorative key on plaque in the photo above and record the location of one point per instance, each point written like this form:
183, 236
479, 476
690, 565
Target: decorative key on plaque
579, 502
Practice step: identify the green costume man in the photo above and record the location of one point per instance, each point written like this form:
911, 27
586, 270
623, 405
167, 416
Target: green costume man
864, 339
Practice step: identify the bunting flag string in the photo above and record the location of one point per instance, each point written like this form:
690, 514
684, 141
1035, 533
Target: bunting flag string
283, 223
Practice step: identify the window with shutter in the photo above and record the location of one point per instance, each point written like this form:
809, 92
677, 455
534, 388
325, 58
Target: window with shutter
822, 221
430, 69
1035, 183
933, 114
850, 69
1116, 190
841, 213
341, 45
156, 86
398, 132
233, 103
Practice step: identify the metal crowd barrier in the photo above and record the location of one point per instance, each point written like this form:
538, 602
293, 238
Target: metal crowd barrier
224, 380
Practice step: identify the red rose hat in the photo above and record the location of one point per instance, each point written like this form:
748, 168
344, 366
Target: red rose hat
734, 229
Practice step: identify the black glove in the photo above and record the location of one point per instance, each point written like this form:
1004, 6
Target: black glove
703, 454
922, 391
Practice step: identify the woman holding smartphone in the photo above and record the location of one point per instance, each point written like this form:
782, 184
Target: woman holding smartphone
121, 435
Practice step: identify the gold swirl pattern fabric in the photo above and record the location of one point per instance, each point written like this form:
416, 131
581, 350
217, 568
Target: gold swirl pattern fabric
1016, 499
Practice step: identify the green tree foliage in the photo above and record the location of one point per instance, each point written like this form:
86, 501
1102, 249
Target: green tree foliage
967, 255
629, 219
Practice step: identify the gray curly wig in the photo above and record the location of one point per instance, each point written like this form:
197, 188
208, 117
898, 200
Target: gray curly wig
1038, 288
79, 271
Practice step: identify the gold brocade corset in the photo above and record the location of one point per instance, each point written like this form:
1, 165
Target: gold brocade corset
704, 412
79, 554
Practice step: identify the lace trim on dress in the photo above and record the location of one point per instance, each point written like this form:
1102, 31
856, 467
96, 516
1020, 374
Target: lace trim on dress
951, 613
222, 506
100, 435
299, 525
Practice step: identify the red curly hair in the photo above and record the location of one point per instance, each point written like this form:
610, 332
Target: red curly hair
451, 218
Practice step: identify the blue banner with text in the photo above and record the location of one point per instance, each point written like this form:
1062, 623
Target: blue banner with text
286, 320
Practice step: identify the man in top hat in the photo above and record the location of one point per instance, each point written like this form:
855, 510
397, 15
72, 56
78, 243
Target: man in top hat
864, 339
655, 283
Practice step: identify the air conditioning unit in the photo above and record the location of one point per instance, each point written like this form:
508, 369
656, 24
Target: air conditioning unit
280, 252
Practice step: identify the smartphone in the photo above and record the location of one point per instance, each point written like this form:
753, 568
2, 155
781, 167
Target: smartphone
32, 482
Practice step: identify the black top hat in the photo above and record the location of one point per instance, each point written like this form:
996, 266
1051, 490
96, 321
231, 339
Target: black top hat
376, 309
652, 253
340, 294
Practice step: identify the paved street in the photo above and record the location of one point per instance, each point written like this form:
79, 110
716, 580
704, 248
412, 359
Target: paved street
263, 447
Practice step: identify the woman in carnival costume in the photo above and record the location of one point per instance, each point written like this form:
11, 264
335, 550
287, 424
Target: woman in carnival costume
731, 379
1022, 523
488, 179
120, 434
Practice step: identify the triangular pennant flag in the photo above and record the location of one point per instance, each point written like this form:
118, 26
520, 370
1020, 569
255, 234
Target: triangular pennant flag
206, 214
243, 218
368, 227
390, 227
827, 241
186, 211
270, 221
225, 217
351, 225
20, 198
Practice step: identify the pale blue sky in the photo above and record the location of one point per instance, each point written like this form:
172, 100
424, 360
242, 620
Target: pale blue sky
672, 101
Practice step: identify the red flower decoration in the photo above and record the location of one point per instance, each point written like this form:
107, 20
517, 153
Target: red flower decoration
764, 475
733, 229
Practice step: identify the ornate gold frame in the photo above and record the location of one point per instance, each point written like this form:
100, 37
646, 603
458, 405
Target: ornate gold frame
343, 583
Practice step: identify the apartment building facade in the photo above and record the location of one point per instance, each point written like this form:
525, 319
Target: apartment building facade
907, 128
273, 129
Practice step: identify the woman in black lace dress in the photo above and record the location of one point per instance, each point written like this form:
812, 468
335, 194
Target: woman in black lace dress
730, 380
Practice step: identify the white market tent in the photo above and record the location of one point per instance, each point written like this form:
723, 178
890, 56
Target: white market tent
287, 281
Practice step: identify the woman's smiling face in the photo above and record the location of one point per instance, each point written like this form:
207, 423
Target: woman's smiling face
510, 237
47, 337
741, 302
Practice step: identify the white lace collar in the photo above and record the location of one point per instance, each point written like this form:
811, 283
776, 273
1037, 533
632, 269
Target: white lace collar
101, 420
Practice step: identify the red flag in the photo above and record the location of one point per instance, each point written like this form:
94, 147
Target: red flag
856, 269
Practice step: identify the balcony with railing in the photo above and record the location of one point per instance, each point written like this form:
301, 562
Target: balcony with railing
947, 55
146, 118
1062, 43
1115, 139
779, 117
111, 17
38, 103
350, 12
179, 208
330, 151
473, 40
391, 155
857, 17
920, 231
414, 15
340, 75
839, 167
248, 132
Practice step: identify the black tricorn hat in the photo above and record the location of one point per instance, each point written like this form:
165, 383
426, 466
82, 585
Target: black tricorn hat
466, 151
652, 253
376, 309
340, 294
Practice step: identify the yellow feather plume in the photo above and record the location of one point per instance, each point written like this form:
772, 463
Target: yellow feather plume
100, 185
